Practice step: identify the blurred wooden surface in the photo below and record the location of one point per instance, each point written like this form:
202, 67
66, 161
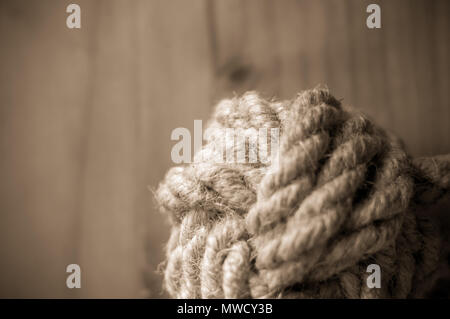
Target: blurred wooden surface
86, 115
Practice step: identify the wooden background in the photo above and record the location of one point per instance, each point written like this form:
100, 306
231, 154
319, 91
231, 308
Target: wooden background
86, 115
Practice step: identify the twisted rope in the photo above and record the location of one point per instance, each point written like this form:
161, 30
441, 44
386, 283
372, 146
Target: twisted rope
342, 196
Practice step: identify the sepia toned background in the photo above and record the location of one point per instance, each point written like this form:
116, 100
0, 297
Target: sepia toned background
86, 115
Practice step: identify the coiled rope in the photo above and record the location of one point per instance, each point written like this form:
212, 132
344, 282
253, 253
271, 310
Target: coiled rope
343, 195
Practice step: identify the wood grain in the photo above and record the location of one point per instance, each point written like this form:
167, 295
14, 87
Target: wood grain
86, 115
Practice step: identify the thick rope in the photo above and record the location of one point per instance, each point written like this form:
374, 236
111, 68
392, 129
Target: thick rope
343, 195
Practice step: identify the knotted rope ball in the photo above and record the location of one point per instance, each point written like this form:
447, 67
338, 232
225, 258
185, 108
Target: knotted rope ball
343, 195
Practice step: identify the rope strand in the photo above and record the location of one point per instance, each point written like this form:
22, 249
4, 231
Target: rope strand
342, 196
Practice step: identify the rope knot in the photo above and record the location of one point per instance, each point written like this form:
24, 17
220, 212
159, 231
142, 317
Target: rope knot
307, 225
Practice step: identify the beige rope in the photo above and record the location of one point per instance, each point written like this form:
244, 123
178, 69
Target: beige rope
342, 196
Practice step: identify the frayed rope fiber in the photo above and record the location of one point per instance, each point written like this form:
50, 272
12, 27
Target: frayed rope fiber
343, 195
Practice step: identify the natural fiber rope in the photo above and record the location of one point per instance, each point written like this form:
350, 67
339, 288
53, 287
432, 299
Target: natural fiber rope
343, 196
